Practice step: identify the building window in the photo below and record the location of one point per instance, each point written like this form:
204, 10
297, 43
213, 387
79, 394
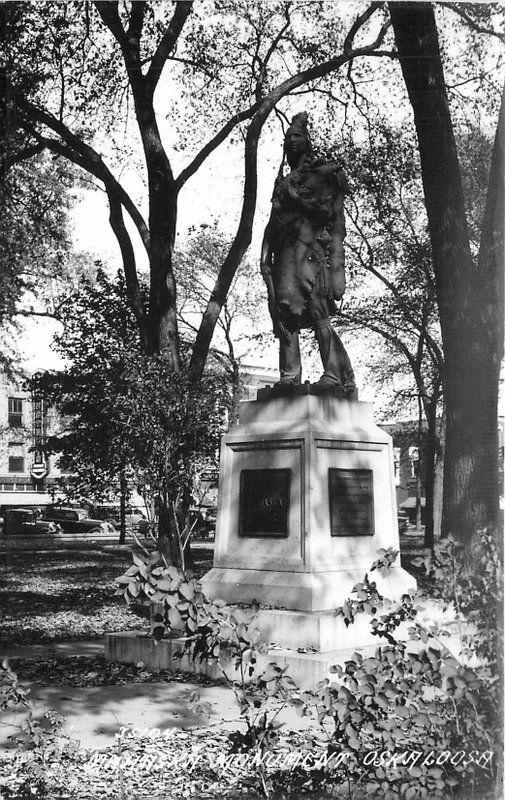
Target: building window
16, 464
15, 412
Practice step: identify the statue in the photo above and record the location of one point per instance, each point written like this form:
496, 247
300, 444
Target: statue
302, 259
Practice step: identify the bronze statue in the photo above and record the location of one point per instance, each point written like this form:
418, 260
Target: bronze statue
302, 258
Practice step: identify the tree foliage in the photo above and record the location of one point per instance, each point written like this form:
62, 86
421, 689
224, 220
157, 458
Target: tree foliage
469, 285
157, 88
392, 291
127, 414
94, 58
36, 251
241, 319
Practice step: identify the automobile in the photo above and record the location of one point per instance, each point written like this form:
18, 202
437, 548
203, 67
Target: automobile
403, 520
76, 520
27, 522
410, 507
203, 518
135, 518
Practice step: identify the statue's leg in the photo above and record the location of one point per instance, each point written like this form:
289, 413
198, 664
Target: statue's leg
290, 364
336, 363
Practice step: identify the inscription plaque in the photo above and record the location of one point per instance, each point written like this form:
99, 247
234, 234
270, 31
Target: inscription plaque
351, 502
264, 502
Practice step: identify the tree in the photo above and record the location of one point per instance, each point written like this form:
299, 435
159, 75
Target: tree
196, 269
392, 292
128, 416
85, 74
38, 260
469, 287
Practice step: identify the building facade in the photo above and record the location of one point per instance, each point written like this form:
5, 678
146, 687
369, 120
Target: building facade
27, 476
253, 377
409, 466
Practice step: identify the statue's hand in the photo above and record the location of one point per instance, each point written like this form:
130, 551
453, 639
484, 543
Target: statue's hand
280, 330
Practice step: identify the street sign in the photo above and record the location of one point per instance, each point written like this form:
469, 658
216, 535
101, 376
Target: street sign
38, 470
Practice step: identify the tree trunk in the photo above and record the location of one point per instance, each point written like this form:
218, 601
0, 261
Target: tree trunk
430, 452
420, 459
183, 512
471, 348
165, 537
163, 334
438, 486
123, 493
237, 250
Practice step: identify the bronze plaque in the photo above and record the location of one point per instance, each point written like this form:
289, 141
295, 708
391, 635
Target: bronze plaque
264, 502
351, 502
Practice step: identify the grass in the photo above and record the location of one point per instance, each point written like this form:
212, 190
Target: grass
59, 596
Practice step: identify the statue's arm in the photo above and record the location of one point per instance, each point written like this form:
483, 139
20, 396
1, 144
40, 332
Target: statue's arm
266, 264
336, 247
336, 252
266, 271
337, 265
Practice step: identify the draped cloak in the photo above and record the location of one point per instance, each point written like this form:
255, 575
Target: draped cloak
306, 223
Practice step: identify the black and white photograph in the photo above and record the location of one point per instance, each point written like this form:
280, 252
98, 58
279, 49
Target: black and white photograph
251, 399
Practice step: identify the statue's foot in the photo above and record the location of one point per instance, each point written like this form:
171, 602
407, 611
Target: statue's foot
329, 380
288, 380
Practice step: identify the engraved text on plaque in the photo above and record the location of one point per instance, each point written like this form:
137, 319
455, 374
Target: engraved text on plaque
351, 502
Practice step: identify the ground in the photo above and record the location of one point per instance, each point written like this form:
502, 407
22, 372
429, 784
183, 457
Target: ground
65, 594
60, 595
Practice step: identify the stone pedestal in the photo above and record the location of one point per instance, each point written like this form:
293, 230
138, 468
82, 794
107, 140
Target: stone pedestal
306, 499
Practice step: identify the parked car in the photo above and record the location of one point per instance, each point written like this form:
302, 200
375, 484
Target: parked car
410, 507
135, 518
27, 522
204, 520
403, 520
76, 520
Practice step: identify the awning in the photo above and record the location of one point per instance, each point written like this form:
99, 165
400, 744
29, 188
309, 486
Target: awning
26, 499
411, 502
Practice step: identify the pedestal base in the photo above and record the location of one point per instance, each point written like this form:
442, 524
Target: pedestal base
306, 501
306, 669
321, 631
309, 591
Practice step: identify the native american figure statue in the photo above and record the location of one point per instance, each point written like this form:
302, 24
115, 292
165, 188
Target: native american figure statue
302, 258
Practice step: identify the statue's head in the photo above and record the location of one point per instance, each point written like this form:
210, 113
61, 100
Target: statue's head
297, 140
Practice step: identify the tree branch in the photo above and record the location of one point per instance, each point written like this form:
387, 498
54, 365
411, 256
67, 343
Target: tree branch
30, 312
110, 15
128, 256
244, 230
397, 342
273, 45
89, 159
471, 22
168, 42
220, 136
129, 44
358, 23
138, 9
21, 155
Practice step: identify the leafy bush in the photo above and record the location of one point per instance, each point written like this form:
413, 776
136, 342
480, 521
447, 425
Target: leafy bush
414, 720
43, 750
